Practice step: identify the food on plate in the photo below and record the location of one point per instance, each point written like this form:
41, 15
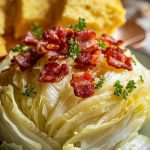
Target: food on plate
104, 16
72, 89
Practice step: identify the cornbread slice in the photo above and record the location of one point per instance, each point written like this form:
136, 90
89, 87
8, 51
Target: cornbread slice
2, 21
2, 16
104, 16
10, 15
7, 8
29, 12
3, 51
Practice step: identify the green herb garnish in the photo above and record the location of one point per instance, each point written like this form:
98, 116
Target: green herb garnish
79, 26
131, 85
118, 88
74, 50
141, 78
29, 90
102, 45
20, 48
100, 83
134, 62
37, 31
124, 92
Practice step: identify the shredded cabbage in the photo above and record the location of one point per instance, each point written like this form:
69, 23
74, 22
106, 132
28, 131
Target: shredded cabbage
56, 119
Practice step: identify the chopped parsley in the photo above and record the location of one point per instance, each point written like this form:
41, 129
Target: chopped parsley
124, 92
37, 31
81, 25
141, 78
118, 88
102, 45
74, 50
134, 62
130, 86
20, 48
100, 83
29, 90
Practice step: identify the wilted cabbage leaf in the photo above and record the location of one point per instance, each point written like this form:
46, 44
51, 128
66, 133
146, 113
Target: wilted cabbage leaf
54, 118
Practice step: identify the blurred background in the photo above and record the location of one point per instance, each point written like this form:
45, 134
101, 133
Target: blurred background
138, 19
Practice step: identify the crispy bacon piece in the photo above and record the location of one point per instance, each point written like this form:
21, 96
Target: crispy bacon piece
30, 39
85, 35
28, 59
86, 40
58, 39
111, 40
87, 60
118, 59
53, 72
83, 85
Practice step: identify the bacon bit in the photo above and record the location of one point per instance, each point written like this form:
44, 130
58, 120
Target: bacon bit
118, 59
30, 39
86, 40
60, 38
52, 47
53, 72
28, 59
53, 55
85, 35
111, 40
87, 60
83, 85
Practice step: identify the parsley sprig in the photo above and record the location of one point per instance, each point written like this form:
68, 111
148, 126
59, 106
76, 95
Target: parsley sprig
102, 44
133, 61
81, 25
29, 90
74, 50
100, 83
37, 31
129, 88
124, 92
141, 78
118, 88
20, 48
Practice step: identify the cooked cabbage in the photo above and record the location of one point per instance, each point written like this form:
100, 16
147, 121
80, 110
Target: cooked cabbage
54, 118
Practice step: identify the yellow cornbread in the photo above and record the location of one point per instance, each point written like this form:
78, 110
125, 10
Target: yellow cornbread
104, 16
2, 16
3, 50
29, 12
2, 21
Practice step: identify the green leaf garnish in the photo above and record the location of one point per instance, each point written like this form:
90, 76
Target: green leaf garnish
74, 50
29, 90
141, 78
100, 83
20, 48
102, 45
124, 92
37, 31
134, 62
131, 85
118, 88
79, 26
